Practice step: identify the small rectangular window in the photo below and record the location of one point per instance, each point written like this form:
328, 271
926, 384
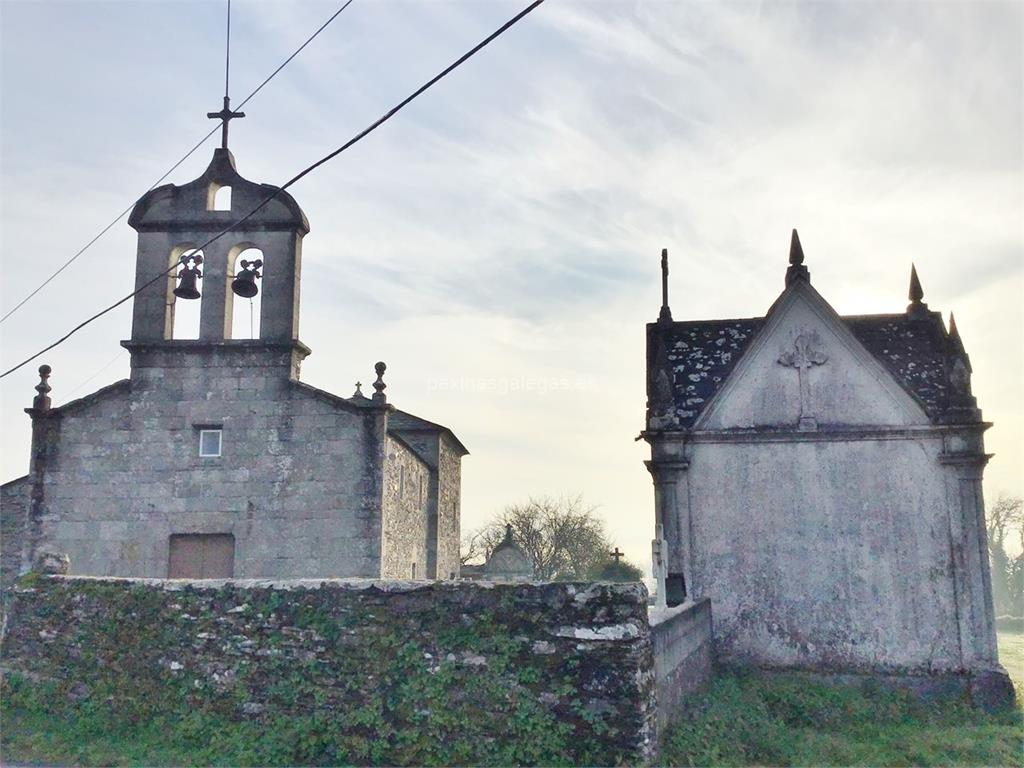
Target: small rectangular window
414, 570
209, 442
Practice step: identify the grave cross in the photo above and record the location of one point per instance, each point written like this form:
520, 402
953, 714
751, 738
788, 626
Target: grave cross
806, 353
659, 553
616, 555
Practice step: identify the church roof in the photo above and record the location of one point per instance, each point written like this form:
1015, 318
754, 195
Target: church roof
400, 421
916, 350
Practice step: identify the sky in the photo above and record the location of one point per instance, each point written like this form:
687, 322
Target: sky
498, 242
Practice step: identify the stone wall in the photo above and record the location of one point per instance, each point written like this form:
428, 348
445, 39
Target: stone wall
827, 555
683, 647
449, 510
298, 483
404, 524
14, 497
385, 672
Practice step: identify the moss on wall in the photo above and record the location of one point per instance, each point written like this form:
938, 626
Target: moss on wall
357, 672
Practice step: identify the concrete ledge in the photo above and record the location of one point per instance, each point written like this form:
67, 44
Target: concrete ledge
681, 640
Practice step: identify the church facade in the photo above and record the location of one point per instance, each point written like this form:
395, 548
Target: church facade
213, 459
819, 478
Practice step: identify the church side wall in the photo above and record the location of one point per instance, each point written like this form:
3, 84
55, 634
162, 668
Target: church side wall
291, 484
825, 554
404, 522
449, 511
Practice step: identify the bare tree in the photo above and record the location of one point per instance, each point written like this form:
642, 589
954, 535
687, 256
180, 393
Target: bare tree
1005, 520
563, 537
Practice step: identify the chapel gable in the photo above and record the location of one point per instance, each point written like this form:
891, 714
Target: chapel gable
803, 366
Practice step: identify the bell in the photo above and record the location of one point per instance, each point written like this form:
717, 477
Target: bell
244, 284
187, 289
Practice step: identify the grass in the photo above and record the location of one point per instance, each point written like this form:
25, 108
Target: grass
742, 720
751, 719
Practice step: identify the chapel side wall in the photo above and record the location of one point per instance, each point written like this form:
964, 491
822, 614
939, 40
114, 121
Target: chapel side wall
290, 485
404, 520
826, 554
449, 508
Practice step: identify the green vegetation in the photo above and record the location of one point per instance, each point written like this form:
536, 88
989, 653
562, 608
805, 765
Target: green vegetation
742, 720
751, 719
313, 679
615, 570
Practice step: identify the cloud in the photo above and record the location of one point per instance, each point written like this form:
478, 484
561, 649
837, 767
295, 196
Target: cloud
506, 227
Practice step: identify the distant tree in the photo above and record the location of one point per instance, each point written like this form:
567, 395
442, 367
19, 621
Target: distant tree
563, 538
1005, 521
616, 570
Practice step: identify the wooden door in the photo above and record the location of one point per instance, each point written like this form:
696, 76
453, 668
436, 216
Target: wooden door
201, 556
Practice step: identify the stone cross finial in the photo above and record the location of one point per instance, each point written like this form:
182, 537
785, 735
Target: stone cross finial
916, 307
806, 354
41, 402
616, 555
359, 390
665, 316
379, 386
796, 270
225, 116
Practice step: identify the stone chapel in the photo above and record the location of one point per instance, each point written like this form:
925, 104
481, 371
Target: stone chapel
819, 478
213, 459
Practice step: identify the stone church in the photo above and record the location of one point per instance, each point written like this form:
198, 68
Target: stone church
819, 478
213, 459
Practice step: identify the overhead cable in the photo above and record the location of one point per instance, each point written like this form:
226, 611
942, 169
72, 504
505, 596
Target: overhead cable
355, 139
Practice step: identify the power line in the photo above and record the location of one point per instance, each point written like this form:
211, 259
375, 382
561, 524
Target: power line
174, 167
355, 139
227, 52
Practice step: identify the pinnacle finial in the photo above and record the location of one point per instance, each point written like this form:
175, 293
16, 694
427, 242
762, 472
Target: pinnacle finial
796, 251
916, 292
954, 337
379, 386
916, 307
797, 270
41, 402
665, 316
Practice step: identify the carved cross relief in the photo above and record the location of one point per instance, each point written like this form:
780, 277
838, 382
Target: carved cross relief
806, 353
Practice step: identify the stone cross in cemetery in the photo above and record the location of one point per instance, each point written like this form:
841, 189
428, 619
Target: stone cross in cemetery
806, 353
659, 564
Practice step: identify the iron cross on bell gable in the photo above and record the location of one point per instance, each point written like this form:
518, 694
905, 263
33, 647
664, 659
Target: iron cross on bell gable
225, 116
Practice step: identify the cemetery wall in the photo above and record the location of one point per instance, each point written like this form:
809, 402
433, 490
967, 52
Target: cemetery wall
396, 672
682, 643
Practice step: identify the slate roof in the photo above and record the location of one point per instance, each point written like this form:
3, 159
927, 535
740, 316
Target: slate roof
703, 353
400, 421
914, 350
